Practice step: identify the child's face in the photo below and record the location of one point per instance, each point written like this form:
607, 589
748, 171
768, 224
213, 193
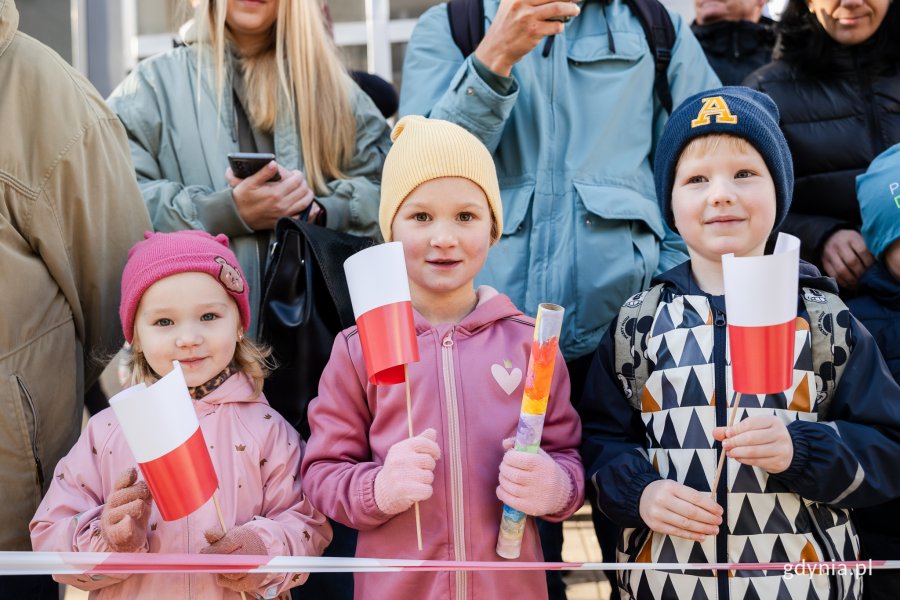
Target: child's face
723, 199
188, 317
445, 227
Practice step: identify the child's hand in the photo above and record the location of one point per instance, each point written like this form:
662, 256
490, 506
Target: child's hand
123, 522
761, 441
675, 509
407, 473
533, 483
240, 540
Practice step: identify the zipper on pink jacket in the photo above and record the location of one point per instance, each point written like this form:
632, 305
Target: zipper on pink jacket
455, 457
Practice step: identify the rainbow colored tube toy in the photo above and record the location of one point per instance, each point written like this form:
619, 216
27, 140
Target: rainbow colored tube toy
531, 418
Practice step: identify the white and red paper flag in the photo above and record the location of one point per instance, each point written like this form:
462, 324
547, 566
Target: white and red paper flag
761, 301
379, 291
162, 430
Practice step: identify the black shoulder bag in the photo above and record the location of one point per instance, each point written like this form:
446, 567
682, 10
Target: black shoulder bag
304, 305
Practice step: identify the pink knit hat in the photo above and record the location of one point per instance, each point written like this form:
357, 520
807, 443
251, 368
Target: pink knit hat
160, 255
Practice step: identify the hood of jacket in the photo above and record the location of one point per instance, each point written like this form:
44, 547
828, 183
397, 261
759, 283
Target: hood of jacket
9, 23
683, 281
491, 306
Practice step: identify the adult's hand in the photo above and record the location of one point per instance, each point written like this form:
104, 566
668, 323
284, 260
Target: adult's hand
762, 441
261, 203
518, 27
846, 257
675, 509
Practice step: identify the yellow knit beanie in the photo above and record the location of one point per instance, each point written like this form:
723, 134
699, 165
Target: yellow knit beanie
426, 149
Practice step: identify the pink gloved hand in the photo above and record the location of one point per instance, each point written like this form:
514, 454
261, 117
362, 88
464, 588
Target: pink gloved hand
240, 540
407, 473
533, 483
123, 522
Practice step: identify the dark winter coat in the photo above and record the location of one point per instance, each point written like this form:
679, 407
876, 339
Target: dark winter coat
735, 49
878, 308
797, 514
836, 119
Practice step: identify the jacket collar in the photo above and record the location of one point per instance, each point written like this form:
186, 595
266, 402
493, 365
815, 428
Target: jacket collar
683, 281
492, 306
9, 23
236, 389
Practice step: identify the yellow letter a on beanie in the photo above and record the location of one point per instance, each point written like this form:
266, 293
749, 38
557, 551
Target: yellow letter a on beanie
717, 107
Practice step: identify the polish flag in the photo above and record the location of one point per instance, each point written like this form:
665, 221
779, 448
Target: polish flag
162, 430
379, 291
761, 301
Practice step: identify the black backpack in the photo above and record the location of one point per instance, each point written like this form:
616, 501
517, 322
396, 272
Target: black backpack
467, 28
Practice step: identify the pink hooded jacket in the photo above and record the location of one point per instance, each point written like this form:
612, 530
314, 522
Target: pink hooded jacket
256, 454
468, 386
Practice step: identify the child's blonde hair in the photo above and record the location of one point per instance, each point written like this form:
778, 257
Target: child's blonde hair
304, 65
708, 144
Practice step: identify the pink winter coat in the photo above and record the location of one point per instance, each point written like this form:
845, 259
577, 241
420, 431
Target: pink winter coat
256, 454
468, 386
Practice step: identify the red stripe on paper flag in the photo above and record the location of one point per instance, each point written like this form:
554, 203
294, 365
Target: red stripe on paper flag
388, 338
183, 479
762, 358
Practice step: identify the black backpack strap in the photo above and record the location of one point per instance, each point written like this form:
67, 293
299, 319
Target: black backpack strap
660, 34
466, 24
632, 329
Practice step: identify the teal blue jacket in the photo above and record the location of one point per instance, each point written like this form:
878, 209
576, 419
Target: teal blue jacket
180, 144
573, 141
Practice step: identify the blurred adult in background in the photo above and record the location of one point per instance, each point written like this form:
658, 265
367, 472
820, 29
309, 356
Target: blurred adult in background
836, 80
253, 77
69, 212
380, 91
735, 36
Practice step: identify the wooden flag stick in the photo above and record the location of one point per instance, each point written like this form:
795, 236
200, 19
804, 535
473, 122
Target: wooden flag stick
409, 422
222, 523
734, 406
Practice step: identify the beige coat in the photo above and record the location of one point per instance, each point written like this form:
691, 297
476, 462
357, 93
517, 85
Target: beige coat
69, 211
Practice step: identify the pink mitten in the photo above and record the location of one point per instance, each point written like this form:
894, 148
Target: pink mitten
123, 522
240, 540
533, 483
407, 473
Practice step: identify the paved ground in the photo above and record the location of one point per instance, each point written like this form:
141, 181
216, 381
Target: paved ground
580, 545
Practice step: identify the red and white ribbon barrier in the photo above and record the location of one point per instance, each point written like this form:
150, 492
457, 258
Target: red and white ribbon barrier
91, 563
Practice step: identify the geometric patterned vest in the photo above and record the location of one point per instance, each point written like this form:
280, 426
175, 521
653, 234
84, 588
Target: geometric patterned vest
686, 394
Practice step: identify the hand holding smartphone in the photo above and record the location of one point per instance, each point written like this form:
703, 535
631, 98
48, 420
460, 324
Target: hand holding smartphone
245, 164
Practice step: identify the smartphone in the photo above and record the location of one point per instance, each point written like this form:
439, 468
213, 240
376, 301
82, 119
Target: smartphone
245, 164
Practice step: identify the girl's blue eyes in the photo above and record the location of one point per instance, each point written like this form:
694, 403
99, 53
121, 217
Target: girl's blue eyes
168, 322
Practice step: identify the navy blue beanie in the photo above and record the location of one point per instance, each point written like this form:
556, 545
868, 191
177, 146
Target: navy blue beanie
731, 110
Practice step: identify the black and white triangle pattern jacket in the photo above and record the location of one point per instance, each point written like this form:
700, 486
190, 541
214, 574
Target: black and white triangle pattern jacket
800, 514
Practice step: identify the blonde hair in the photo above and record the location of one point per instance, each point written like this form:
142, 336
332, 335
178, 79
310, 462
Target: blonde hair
305, 67
250, 358
706, 145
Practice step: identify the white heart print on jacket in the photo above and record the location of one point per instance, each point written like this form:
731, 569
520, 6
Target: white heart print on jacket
507, 377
